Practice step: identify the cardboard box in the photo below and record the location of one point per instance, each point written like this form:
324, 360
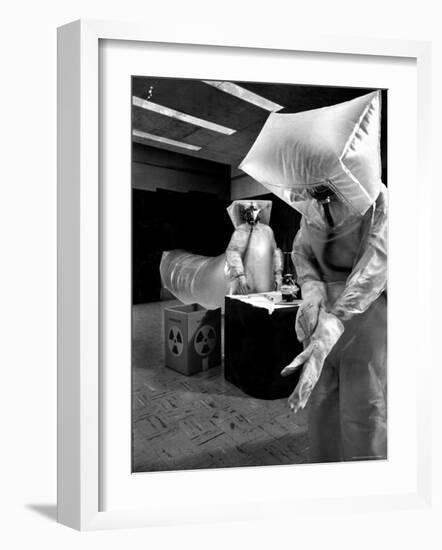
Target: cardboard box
192, 336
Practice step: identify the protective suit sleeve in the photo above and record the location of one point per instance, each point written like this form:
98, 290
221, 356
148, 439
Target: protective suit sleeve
278, 267
303, 258
327, 332
314, 292
236, 250
277, 261
369, 276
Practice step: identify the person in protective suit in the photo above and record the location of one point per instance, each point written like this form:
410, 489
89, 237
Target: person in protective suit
253, 261
331, 174
342, 272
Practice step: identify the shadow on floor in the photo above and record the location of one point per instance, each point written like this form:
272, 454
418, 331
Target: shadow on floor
49, 511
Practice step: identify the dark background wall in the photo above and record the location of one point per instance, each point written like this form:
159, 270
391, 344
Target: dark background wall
154, 168
177, 202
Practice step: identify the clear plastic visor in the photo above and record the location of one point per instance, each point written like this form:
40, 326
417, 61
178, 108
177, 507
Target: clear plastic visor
303, 200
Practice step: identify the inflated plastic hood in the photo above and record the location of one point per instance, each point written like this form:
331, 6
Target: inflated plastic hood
338, 146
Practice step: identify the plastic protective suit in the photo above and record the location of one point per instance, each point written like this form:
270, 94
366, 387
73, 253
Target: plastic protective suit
254, 262
326, 164
251, 263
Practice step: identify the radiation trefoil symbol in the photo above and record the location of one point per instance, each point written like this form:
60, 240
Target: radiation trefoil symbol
175, 340
205, 340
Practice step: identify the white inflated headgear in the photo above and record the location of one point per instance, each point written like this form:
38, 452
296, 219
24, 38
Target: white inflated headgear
338, 146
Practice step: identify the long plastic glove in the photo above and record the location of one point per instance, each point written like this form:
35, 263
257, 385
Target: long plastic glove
314, 291
314, 296
240, 285
368, 278
278, 281
325, 336
234, 256
278, 265
236, 250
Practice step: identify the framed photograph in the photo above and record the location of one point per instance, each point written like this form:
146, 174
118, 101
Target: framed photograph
223, 218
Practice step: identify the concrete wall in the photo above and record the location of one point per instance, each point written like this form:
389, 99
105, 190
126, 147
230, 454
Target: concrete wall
154, 168
244, 186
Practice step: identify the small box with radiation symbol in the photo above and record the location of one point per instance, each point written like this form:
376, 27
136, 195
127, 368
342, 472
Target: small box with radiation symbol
192, 337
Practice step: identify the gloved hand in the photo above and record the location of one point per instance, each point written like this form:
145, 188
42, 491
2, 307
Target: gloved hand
278, 281
241, 285
314, 296
325, 336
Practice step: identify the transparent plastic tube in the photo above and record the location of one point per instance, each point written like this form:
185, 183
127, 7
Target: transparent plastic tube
337, 146
195, 279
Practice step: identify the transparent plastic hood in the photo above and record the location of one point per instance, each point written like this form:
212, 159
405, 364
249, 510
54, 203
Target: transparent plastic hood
338, 146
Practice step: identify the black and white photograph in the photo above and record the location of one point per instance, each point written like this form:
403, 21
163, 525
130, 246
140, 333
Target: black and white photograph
259, 274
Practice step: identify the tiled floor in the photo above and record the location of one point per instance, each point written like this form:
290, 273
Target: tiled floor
202, 421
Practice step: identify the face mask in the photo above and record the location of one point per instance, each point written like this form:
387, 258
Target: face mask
324, 195
251, 215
